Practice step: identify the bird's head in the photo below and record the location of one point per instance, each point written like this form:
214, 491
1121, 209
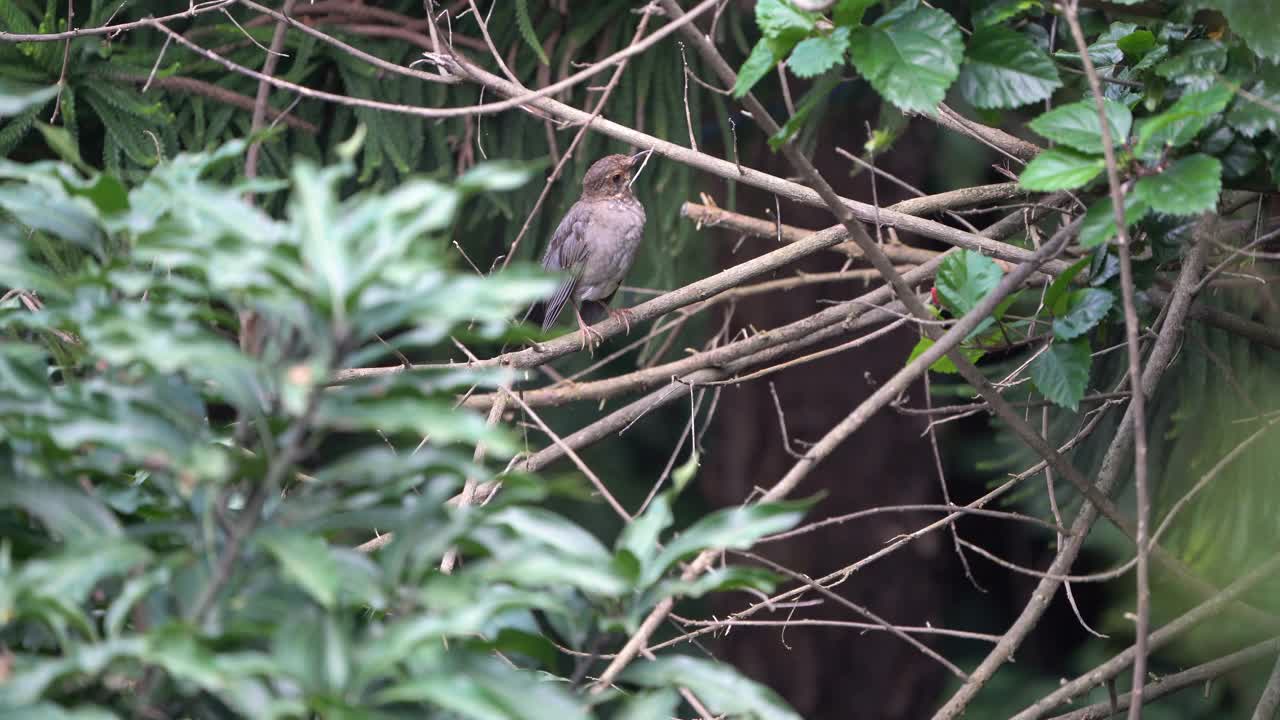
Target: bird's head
610, 176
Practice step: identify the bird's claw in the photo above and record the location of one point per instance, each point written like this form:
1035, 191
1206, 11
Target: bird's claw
625, 316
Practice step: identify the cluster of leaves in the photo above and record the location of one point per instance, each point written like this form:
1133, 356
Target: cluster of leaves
1189, 106
179, 517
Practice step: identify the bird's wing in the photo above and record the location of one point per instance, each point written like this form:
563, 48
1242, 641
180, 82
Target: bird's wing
566, 251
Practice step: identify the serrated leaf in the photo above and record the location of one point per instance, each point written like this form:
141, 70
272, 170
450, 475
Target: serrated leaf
910, 56
964, 279
816, 55
778, 17
1060, 169
1189, 187
1085, 309
1099, 224
525, 24
757, 65
1005, 69
1061, 372
1180, 124
1253, 20
723, 689
1077, 126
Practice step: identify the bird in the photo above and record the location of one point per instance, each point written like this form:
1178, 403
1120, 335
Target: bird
595, 244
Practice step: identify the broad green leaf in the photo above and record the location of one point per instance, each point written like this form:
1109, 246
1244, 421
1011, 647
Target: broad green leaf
1099, 224
1252, 116
1137, 43
723, 689
1060, 169
816, 55
1061, 372
910, 56
778, 17
848, 13
309, 562
757, 65
61, 142
1077, 126
736, 528
525, 24
1180, 124
688, 470
1005, 69
964, 279
1253, 20
17, 97
1189, 187
1085, 309
69, 576
1197, 66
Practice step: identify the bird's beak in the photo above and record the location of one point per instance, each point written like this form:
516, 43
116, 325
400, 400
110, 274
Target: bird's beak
637, 157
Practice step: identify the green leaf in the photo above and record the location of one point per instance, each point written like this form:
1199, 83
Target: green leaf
61, 142
848, 13
964, 279
1137, 43
723, 689
1085, 308
1060, 169
757, 65
817, 94
688, 470
1180, 124
1251, 117
1005, 69
309, 562
1099, 224
66, 511
1061, 284
1061, 372
736, 528
17, 97
816, 55
1077, 126
779, 17
1189, 187
1253, 20
1197, 66
495, 176
944, 364
910, 56
640, 537
994, 12
525, 24
651, 705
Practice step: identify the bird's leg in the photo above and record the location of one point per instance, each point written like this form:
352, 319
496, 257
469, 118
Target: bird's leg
623, 314
587, 332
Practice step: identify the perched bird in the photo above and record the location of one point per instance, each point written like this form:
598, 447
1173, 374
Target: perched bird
596, 243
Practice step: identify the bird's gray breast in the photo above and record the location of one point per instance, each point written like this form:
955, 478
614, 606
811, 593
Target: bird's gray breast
613, 235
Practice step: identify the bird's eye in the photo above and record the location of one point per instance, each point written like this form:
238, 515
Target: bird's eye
617, 177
